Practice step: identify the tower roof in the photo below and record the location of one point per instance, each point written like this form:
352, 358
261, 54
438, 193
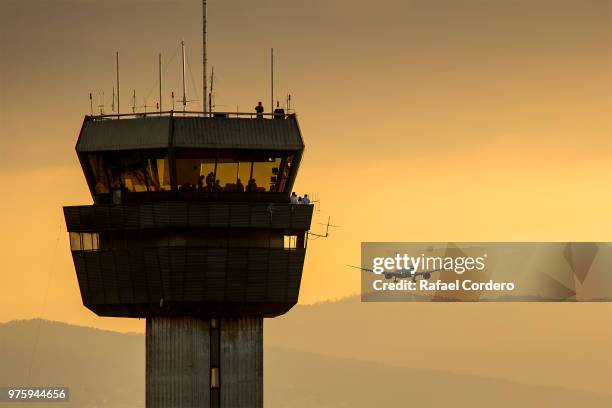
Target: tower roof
199, 132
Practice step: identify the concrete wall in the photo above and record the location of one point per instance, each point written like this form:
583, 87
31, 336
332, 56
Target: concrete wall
179, 362
242, 362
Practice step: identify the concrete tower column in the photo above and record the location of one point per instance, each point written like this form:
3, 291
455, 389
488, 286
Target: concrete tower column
241, 362
193, 363
178, 362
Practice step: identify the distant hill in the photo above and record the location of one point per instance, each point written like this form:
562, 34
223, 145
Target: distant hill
101, 368
106, 369
556, 344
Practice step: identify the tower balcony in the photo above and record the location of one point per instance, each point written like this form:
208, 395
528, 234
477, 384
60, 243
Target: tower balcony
189, 258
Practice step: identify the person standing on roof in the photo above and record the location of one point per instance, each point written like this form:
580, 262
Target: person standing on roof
260, 110
294, 199
306, 200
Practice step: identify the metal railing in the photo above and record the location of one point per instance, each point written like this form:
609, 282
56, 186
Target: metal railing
199, 114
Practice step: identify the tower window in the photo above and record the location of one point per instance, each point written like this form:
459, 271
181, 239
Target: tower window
214, 377
84, 241
290, 242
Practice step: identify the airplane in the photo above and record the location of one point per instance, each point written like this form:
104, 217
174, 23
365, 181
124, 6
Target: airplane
401, 273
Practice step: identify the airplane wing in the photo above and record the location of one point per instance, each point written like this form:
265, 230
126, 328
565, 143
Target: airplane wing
358, 267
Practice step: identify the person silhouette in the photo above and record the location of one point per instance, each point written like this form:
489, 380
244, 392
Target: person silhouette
251, 185
259, 109
239, 186
218, 185
210, 181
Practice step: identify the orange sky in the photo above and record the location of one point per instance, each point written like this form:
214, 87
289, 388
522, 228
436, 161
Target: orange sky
424, 121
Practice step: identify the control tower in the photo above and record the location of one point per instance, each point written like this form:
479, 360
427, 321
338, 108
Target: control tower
192, 228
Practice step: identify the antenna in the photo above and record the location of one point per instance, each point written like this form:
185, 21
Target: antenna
172, 100
134, 102
91, 103
145, 106
212, 82
329, 224
271, 79
101, 103
117, 60
204, 54
183, 70
316, 200
160, 83
113, 103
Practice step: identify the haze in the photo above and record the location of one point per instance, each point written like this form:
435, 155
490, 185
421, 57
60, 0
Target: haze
445, 120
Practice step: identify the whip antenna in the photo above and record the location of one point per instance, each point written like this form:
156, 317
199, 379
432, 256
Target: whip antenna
117, 62
204, 52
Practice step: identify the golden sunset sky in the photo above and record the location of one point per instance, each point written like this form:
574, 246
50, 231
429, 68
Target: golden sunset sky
445, 120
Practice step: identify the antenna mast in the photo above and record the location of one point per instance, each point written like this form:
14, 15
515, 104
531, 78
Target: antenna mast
212, 84
117, 59
205, 94
184, 87
101, 103
160, 83
271, 79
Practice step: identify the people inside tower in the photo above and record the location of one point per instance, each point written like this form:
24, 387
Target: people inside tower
210, 181
260, 110
121, 176
239, 186
217, 186
251, 186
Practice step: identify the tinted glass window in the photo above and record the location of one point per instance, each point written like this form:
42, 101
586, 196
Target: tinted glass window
227, 175
232, 170
133, 171
265, 175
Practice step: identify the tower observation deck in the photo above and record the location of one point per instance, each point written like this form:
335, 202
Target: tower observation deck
192, 228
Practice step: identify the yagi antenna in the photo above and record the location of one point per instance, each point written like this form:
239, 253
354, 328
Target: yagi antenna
316, 201
329, 224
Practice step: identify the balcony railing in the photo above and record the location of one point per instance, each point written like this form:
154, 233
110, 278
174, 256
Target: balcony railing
197, 114
107, 217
